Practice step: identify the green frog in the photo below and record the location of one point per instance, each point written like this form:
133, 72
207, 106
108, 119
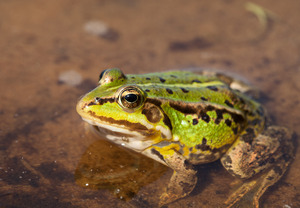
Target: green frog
182, 119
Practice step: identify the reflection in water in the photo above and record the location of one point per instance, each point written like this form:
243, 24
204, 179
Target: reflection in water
123, 172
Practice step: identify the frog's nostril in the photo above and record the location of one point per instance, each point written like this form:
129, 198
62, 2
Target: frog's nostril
97, 99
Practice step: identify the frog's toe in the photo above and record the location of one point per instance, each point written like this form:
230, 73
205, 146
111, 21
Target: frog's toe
180, 185
244, 196
176, 191
166, 198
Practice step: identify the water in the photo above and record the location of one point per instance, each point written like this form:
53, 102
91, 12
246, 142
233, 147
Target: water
43, 140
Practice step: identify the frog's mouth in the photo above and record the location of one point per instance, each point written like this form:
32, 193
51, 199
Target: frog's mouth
136, 140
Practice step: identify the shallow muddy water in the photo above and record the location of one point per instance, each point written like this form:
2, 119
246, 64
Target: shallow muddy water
52, 53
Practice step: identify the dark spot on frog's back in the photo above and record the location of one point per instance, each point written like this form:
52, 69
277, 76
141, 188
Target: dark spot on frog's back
219, 116
228, 103
237, 118
184, 90
210, 108
228, 122
213, 88
195, 121
162, 80
204, 117
169, 91
196, 81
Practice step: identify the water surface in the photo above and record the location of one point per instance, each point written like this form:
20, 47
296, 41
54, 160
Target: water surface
53, 51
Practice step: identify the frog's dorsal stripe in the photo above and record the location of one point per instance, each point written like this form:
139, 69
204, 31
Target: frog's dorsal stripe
189, 85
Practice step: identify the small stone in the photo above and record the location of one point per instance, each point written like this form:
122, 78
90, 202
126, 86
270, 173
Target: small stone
97, 28
70, 77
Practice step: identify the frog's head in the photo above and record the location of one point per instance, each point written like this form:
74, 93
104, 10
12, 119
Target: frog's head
120, 109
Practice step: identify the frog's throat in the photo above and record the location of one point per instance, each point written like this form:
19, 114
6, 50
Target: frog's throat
135, 140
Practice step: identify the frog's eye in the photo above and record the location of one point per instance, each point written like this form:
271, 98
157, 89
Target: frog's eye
131, 98
111, 75
102, 73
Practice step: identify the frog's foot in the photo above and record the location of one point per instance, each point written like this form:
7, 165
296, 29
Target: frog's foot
182, 181
269, 153
251, 191
180, 185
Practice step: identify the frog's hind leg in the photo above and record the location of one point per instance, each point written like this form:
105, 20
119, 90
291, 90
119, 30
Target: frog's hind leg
268, 153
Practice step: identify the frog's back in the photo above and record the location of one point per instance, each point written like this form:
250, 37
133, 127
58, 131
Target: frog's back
202, 88
198, 114
205, 114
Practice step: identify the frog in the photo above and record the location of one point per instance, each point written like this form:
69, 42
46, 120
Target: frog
184, 118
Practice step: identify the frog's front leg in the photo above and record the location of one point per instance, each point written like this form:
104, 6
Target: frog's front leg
183, 179
267, 153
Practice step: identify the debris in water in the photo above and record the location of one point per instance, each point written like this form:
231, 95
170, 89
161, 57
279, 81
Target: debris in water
99, 28
70, 77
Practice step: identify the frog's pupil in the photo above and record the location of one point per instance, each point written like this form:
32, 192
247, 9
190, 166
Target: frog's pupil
102, 73
131, 98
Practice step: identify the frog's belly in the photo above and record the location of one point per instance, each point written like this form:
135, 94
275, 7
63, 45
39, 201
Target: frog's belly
194, 157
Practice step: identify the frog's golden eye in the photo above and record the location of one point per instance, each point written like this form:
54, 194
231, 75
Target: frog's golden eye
131, 98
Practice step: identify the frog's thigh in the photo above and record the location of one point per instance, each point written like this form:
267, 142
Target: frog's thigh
249, 155
183, 179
